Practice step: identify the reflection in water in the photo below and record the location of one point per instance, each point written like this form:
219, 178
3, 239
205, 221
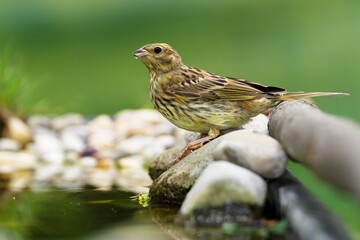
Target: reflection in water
75, 215
93, 215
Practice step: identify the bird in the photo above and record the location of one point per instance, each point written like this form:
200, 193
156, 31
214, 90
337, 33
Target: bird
200, 101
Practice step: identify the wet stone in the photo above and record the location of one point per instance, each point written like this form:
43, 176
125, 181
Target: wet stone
243, 214
161, 163
221, 183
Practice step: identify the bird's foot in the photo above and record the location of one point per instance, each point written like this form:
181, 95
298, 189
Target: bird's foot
190, 147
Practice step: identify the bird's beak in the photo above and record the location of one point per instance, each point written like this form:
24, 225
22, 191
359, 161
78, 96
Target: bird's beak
141, 52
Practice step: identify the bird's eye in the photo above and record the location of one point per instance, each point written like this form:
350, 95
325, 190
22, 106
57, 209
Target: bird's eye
157, 50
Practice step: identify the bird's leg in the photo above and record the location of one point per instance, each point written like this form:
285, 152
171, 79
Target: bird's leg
192, 146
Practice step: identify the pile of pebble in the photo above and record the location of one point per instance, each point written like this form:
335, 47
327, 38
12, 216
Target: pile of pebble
239, 177
71, 152
231, 169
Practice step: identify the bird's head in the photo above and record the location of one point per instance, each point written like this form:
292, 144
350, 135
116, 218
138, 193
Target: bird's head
159, 57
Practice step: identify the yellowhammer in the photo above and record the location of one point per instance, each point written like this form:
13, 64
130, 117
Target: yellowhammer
200, 101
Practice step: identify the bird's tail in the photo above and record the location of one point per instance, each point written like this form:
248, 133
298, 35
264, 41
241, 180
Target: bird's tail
296, 95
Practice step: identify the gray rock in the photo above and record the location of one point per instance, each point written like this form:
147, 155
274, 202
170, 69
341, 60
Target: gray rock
173, 184
223, 183
257, 152
161, 163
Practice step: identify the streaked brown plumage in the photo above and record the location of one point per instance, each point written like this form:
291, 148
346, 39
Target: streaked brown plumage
199, 101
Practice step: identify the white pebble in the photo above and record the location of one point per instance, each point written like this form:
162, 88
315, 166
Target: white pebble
7, 144
72, 142
16, 161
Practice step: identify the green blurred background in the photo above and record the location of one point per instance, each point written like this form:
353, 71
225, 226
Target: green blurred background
76, 55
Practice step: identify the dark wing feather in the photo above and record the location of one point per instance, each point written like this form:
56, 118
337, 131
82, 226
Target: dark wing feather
213, 87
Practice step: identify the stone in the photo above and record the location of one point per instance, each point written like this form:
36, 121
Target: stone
72, 142
105, 163
167, 141
134, 180
132, 175
45, 174
173, 182
164, 128
16, 161
70, 119
134, 145
7, 144
131, 162
103, 139
161, 163
79, 130
88, 162
223, 183
49, 148
257, 152
17, 129
56, 157
191, 136
72, 178
141, 122
39, 121
258, 124
150, 152
20, 180
71, 157
100, 122
101, 179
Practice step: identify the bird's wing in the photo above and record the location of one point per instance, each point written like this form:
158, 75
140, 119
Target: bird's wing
213, 87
